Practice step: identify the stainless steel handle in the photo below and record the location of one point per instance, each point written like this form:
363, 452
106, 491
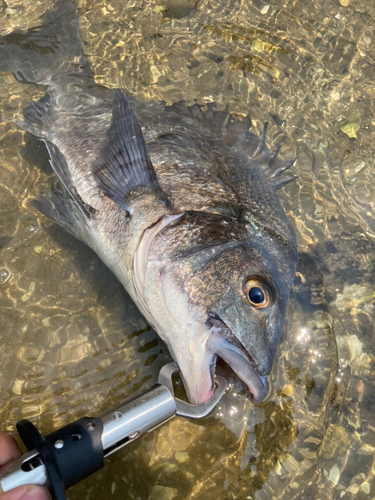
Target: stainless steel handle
121, 426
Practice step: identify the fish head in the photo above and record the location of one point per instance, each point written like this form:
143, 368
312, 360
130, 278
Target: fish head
219, 288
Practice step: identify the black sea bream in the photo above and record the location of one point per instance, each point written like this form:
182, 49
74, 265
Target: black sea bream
178, 202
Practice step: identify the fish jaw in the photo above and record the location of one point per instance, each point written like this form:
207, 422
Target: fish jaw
198, 373
198, 370
224, 344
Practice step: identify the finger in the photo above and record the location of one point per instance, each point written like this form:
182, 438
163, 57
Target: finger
27, 492
9, 450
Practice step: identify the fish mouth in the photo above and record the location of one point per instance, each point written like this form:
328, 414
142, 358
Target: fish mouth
223, 343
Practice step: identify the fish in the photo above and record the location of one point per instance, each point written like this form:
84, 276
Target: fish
179, 202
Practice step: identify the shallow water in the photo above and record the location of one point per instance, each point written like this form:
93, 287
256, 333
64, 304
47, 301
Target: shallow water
73, 343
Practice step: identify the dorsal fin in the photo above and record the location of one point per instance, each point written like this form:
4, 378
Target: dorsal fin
124, 164
235, 132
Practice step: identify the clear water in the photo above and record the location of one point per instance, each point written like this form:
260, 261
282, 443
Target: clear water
73, 344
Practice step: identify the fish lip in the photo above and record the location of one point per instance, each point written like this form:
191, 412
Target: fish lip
223, 343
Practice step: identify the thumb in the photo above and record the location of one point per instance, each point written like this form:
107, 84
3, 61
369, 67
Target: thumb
27, 492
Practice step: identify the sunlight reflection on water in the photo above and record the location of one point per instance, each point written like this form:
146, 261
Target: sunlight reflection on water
72, 342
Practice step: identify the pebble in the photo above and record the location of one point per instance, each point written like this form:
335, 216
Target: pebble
181, 456
4, 275
31, 229
365, 487
159, 492
334, 475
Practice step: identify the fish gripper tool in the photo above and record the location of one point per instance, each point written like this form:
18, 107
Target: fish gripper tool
77, 450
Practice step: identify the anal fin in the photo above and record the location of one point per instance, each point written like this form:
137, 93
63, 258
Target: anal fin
60, 166
61, 208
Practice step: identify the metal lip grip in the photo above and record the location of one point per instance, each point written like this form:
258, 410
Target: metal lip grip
72, 453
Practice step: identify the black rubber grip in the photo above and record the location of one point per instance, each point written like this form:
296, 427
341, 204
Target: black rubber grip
69, 454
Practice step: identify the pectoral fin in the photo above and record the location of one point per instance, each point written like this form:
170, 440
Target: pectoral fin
124, 164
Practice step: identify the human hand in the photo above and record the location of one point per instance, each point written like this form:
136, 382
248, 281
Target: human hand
9, 451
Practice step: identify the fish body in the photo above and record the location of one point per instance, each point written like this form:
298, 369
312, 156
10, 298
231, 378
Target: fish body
178, 202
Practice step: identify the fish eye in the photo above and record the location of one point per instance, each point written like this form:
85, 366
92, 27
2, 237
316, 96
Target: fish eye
257, 293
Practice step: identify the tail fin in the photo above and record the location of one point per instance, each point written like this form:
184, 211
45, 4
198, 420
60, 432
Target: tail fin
46, 54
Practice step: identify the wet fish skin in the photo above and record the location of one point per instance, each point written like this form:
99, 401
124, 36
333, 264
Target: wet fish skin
172, 201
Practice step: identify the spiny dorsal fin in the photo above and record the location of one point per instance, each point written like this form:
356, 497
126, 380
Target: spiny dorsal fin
125, 164
237, 136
